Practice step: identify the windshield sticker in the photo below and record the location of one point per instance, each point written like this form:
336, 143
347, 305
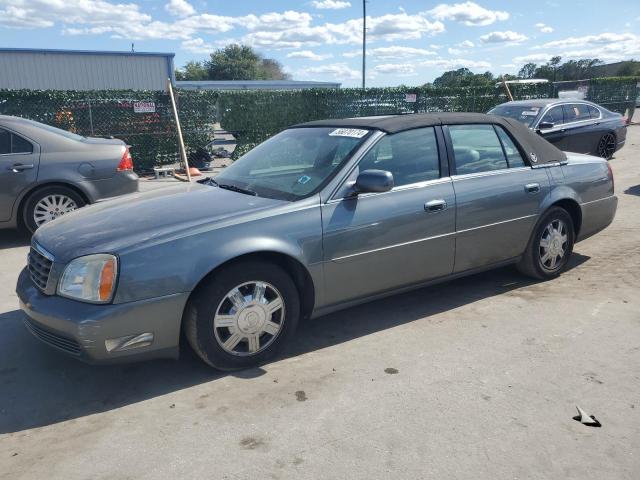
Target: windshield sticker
533, 112
349, 132
304, 179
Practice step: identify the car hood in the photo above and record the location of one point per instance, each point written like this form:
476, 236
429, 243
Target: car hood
130, 221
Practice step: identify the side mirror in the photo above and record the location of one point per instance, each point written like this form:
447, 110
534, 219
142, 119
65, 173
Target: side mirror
545, 125
373, 181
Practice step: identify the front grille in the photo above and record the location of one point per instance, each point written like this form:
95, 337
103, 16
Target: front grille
63, 343
39, 268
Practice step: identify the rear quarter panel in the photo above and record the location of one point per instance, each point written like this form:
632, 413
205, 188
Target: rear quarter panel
587, 181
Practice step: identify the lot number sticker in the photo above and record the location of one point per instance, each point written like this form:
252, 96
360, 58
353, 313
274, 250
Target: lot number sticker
144, 107
532, 113
349, 132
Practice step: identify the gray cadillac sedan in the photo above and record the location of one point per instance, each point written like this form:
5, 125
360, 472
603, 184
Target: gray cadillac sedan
320, 217
46, 172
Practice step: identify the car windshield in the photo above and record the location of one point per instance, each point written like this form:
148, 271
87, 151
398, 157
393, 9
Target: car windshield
523, 113
293, 164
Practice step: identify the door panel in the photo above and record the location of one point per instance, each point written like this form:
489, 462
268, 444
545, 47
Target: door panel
579, 127
378, 242
18, 170
496, 212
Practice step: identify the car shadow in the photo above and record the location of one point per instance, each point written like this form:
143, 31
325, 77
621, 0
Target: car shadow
14, 238
40, 387
635, 190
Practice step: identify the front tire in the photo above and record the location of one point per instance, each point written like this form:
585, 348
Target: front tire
242, 315
48, 203
550, 246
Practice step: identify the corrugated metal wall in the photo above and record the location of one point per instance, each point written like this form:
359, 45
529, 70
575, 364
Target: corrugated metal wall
83, 71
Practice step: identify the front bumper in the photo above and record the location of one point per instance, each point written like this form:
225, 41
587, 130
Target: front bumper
81, 329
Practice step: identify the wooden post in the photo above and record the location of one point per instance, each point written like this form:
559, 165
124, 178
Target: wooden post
183, 152
506, 88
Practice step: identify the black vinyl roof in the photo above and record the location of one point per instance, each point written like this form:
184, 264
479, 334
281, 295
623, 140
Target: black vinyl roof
534, 145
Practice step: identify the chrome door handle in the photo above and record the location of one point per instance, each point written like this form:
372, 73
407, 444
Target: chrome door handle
435, 206
532, 187
19, 167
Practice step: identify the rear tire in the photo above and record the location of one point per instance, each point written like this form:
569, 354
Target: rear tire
607, 146
550, 245
47, 203
242, 315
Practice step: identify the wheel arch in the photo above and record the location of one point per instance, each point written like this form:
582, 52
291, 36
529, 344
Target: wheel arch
38, 186
294, 267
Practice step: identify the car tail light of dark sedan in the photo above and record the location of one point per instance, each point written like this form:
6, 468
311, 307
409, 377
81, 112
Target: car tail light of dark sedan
127, 161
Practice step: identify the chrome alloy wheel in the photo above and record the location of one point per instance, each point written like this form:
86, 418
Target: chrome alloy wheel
249, 318
607, 146
51, 207
553, 244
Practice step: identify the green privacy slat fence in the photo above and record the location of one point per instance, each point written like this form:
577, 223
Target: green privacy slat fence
253, 116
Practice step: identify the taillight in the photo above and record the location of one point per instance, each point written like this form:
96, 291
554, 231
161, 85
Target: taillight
611, 177
127, 161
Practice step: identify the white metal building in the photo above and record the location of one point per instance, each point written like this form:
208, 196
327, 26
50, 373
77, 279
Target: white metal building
253, 84
37, 69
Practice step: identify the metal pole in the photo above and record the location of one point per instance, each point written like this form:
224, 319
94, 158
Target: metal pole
183, 152
364, 41
90, 118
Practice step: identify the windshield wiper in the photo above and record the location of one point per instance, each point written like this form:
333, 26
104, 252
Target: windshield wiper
234, 188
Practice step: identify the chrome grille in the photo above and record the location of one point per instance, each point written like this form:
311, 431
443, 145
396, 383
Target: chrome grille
55, 340
39, 268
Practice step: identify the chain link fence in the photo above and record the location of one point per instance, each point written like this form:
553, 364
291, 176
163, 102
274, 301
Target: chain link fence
145, 121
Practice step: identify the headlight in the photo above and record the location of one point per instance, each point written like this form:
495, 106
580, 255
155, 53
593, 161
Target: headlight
90, 279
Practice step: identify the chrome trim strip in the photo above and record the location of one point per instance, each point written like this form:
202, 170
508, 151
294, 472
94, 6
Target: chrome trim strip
41, 250
400, 188
403, 244
598, 200
338, 259
488, 173
496, 223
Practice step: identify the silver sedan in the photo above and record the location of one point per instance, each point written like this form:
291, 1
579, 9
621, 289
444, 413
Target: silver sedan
46, 172
320, 217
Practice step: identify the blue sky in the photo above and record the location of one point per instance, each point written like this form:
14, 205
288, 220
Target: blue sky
410, 42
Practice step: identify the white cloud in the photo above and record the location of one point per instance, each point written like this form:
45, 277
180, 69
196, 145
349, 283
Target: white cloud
532, 58
544, 28
503, 37
44, 13
198, 45
308, 55
397, 51
401, 26
450, 64
466, 44
330, 4
469, 13
339, 71
609, 47
180, 8
395, 69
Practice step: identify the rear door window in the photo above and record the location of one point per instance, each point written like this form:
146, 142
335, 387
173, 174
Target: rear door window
476, 149
575, 112
554, 115
20, 145
511, 151
595, 113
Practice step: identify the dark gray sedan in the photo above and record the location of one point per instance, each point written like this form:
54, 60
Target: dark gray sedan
571, 125
320, 217
46, 172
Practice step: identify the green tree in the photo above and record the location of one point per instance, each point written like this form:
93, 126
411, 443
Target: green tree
241, 62
192, 71
463, 77
528, 70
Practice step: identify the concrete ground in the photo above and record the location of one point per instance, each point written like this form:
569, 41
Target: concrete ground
473, 379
